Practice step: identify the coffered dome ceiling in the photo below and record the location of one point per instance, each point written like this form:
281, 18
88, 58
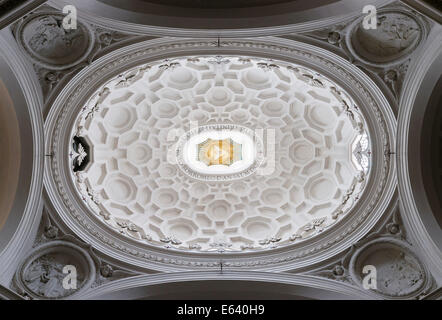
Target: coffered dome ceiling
289, 149
179, 143
268, 151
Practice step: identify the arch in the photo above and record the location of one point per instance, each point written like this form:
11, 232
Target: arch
418, 216
282, 18
22, 222
227, 285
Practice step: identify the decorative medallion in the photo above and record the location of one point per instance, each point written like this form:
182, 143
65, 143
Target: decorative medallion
56, 270
50, 45
397, 35
397, 271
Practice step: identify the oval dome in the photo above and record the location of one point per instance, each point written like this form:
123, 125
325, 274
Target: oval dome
310, 138
265, 151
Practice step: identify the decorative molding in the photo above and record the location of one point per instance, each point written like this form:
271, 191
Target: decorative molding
109, 273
